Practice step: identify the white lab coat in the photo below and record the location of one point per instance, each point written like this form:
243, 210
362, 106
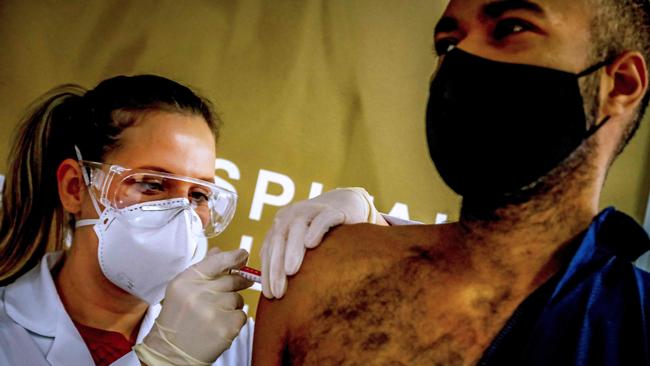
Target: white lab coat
36, 330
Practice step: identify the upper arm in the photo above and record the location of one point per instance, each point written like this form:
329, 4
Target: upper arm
344, 256
270, 332
276, 318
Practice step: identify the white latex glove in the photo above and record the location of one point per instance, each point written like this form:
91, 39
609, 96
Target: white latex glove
201, 314
302, 225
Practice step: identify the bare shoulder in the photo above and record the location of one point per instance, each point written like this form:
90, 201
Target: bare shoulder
350, 252
353, 277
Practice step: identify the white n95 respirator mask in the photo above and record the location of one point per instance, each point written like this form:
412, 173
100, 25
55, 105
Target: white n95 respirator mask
142, 259
147, 234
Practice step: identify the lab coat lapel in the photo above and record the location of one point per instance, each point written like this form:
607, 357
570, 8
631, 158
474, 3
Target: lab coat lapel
33, 302
68, 347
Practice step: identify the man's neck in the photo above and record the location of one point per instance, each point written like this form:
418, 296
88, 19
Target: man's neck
90, 299
526, 242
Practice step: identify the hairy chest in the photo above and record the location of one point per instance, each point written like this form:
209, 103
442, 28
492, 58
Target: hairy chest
411, 313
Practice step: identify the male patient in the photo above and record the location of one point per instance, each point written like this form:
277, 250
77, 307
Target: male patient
531, 103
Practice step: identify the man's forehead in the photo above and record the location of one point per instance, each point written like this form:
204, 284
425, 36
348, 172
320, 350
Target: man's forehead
492, 5
459, 10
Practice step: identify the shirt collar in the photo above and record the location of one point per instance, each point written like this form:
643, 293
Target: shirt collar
612, 234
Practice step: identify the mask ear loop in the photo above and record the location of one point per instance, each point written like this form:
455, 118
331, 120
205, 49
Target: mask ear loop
590, 70
592, 131
84, 173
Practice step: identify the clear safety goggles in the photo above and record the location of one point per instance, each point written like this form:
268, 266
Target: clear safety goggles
118, 187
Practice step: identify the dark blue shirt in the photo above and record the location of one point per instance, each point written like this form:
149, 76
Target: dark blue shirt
595, 311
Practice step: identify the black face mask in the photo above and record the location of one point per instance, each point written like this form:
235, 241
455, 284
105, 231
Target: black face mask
494, 128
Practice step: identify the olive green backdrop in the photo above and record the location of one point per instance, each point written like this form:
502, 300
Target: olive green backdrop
322, 93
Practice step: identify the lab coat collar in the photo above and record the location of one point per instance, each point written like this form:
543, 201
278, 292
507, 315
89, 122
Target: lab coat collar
33, 302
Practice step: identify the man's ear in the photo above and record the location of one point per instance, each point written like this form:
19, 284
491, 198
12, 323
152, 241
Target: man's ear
71, 185
627, 82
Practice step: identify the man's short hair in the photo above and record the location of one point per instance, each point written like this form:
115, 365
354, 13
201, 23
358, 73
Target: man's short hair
618, 26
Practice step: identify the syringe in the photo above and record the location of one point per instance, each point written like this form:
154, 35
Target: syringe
248, 273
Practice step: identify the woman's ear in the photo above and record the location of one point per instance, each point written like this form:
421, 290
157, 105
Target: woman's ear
71, 185
623, 90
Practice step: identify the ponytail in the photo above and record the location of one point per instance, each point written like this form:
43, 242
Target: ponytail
32, 219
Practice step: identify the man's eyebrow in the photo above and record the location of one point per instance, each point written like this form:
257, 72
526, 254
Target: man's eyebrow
446, 25
492, 10
498, 8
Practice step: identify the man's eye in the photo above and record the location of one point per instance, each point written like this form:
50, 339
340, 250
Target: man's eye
445, 45
507, 27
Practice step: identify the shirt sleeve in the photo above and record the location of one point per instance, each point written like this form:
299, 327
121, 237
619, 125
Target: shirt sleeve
396, 221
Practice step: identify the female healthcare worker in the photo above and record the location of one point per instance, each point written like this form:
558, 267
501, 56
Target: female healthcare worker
127, 170
125, 173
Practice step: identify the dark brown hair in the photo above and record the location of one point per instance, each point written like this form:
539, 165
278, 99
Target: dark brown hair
618, 26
